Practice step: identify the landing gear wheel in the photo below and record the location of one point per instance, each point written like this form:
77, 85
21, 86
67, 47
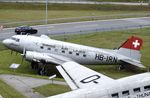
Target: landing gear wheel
39, 71
120, 67
42, 71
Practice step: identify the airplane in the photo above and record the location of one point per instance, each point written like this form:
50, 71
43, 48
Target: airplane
46, 50
86, 83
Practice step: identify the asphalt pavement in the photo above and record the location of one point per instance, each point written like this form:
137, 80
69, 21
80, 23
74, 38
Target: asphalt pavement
25, 86
84, 27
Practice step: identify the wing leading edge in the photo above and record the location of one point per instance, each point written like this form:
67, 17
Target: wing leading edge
78, 76
46, 57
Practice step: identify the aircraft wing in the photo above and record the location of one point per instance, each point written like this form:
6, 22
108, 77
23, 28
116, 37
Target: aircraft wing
78, 76
46, 57
132, 62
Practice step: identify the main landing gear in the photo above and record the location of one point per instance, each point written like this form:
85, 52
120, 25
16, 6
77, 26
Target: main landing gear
39, 67
121, 67
44, 68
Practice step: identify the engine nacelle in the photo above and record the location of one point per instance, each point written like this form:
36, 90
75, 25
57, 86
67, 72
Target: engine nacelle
44, 57
36, 56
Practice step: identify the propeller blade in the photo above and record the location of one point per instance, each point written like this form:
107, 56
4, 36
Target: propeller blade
23, 55
24, 52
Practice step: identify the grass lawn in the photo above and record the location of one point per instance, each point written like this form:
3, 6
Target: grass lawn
16, 12
9, 92
11, 15
52, 89
7, 59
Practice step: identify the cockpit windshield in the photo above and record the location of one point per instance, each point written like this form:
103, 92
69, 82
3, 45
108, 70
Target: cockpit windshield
15, 39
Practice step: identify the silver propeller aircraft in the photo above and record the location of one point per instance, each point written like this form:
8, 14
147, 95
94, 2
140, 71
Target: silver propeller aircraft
46, 50
86, 83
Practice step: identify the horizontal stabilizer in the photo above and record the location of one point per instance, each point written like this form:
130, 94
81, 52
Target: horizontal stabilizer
131, 62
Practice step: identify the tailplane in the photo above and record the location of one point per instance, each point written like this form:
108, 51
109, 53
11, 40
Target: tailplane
131, 49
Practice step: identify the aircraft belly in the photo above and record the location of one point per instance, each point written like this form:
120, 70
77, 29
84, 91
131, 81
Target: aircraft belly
91, 61
80, 94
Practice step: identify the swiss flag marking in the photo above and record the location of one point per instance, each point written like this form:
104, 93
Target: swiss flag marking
133, 43
136, 44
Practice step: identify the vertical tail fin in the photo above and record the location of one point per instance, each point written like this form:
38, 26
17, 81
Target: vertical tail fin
131, 48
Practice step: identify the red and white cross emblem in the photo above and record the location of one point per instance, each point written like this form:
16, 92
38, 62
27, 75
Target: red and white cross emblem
136, 44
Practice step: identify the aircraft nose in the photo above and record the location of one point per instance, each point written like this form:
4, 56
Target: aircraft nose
6, 42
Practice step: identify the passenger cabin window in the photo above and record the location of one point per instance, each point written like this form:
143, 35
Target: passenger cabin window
136, 90
115, 95
48, 48
63, 51
125, 93
70, 52
84, 55
41, 47
77, 54
146, 88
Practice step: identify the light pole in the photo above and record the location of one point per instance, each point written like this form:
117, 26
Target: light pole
46, 12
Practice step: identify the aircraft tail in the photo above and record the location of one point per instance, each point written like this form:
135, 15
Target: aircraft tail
131, 49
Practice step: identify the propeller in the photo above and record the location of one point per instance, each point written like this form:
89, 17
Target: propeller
23, 55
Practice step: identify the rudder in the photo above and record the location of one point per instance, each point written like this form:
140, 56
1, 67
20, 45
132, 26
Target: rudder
131, 48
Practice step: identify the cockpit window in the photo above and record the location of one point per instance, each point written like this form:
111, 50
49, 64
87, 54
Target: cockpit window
15, 39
